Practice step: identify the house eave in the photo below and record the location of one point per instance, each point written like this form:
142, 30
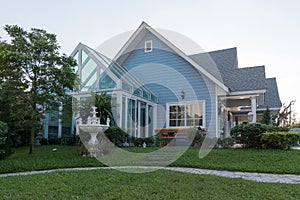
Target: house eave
261, 109
249, 92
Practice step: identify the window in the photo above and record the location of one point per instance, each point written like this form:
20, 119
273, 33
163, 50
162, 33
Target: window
148, 46
188, 114
177, 115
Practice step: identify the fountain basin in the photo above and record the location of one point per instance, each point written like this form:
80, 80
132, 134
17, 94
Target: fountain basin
93, 130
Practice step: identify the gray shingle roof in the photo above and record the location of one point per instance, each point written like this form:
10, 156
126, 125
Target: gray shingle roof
223, 64
271, 96
245, 79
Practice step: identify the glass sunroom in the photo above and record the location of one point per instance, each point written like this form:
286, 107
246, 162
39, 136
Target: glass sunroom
133, 104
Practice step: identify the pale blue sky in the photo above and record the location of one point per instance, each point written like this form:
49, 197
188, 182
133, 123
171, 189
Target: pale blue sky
265, 32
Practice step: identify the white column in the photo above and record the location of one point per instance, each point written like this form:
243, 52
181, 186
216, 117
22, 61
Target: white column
253, 108
59, 122
139, 120
147, 121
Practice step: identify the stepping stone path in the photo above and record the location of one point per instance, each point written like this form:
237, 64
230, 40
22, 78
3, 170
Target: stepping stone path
259, 177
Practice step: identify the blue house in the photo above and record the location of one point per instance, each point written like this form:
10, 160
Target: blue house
155, 85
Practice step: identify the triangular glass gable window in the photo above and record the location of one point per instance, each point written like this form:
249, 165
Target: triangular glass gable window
84, 57
106, 82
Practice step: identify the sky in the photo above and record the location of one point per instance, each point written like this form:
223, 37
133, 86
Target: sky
265, 32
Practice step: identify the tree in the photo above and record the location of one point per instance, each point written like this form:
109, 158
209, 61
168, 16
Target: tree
266, 117
13, 110
37, 70
103, 104
283, 117
15, 113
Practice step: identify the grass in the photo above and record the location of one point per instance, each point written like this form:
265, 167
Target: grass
113, 184
44, 157
267, 161
250, 160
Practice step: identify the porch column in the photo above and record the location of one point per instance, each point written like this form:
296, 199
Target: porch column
253, 108
59, 134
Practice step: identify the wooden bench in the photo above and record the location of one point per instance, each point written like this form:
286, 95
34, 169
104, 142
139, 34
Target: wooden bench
169, 134
162, 131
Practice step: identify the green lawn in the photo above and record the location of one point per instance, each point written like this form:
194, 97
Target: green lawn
251, 160
269, 161
44, 157
113, 184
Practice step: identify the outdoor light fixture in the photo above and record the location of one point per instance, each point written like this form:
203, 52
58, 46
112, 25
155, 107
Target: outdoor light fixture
182, 94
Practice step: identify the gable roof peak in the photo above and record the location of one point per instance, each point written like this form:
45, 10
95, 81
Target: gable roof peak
144, 24
123, 53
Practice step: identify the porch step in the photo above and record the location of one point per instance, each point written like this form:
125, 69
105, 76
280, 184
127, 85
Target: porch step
163, 157
181, 139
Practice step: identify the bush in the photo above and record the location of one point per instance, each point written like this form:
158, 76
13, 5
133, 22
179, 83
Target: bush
225, 142
69, 140
249, 134
65, 140
195, 134
119, 137
54, 141
272, 128
150, 141
116, 135
158, 139
4, 146
279, 140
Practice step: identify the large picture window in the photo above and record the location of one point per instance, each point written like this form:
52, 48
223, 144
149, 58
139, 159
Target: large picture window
187, 114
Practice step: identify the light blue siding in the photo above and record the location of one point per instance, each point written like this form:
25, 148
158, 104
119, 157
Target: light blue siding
166, 74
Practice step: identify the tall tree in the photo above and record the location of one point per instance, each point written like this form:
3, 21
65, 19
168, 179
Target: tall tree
39, 72
266, 117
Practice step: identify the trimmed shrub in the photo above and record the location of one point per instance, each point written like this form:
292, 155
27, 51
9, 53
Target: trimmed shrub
119, 137
279, 140
249, 134
272, 128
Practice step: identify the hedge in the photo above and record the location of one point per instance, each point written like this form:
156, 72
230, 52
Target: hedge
279, 140
119, 137
250, 134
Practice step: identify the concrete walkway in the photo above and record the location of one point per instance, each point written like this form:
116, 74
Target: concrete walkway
259, 177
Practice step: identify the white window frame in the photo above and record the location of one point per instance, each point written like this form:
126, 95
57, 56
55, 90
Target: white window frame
146, 47
137, 99
185, 118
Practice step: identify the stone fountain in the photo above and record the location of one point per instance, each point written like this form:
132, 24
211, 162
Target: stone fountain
93, 127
